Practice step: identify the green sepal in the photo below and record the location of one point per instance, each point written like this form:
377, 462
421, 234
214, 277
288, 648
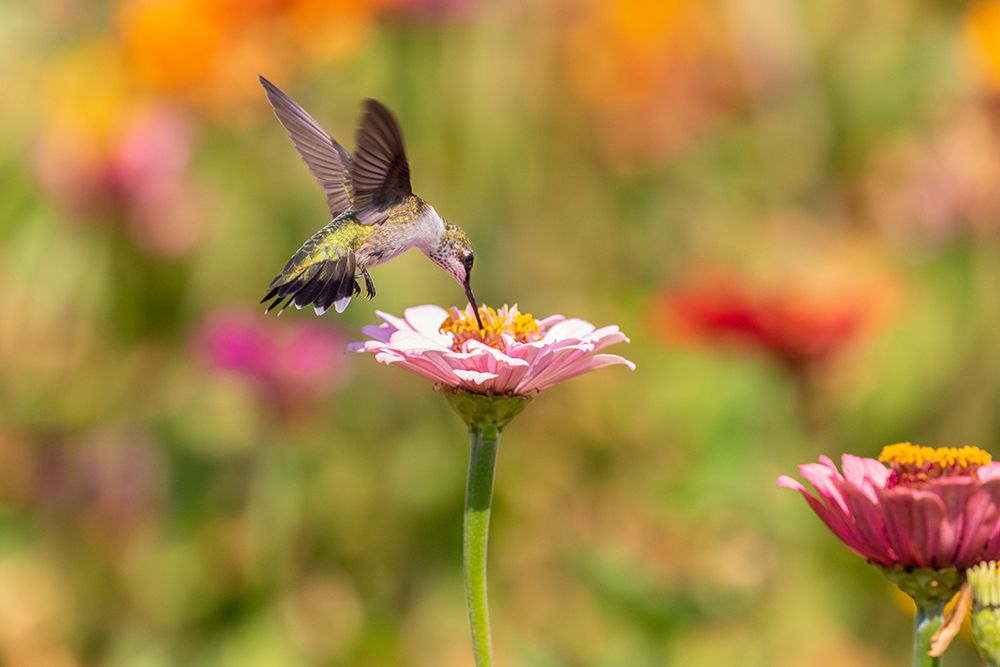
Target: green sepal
485, 413
926, 585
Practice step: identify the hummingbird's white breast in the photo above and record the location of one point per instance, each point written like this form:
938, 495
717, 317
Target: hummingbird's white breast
429, 230
396, 235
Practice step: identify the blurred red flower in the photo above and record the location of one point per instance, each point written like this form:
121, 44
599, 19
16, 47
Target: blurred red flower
287, 362
789, 325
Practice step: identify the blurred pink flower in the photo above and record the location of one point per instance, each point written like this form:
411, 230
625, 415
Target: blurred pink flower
109, 484
938, 185
513, 354
284, 360
432, 10
134, 172
932, 508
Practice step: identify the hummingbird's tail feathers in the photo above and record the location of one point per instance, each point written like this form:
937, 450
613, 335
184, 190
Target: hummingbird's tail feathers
326, 159
325, 283
284, 287
380, 174
340, 287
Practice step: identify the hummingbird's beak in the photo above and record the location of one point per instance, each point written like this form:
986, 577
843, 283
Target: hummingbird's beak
475, 307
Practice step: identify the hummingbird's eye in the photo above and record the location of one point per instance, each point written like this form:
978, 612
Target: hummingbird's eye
469, 259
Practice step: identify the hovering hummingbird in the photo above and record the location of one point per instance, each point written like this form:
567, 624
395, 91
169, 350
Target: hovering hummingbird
376, 216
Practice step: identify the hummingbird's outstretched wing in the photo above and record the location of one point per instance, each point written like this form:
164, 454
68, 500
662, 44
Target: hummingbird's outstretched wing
321, 272
326, 159
380, 174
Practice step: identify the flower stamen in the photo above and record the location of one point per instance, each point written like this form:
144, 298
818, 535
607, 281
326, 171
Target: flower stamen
913, 465
462, 325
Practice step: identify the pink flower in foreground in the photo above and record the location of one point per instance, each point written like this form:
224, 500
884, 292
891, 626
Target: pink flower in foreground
513, 354
931, 508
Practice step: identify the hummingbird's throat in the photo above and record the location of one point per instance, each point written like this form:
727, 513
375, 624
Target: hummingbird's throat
497, 323
913, 465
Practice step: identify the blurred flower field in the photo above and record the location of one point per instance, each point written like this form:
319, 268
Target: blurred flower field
791, 208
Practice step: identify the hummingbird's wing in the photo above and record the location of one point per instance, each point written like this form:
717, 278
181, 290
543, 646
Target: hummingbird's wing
321, 272
380, 174
326, 159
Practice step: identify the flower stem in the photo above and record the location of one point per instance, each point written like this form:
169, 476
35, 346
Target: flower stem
930, 617
486, 415
476, 527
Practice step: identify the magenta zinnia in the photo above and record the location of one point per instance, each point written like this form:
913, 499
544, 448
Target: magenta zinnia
930, 508
513, 354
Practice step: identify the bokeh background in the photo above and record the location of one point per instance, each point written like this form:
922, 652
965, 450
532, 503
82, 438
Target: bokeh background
792, 208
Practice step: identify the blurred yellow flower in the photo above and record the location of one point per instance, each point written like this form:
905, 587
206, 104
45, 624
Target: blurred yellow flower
86, 91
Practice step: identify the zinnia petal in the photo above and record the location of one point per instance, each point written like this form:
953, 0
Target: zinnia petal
571, 328
427, 320
833, 516
475, 376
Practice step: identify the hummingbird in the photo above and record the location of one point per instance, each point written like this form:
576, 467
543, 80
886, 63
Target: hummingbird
376, 216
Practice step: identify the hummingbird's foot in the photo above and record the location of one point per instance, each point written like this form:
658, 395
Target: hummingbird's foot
369, 285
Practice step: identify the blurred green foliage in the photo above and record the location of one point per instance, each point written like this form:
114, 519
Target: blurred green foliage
158, 509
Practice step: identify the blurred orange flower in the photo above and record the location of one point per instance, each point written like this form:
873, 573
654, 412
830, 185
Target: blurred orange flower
982, 34
35, 612
655, 75
207, 52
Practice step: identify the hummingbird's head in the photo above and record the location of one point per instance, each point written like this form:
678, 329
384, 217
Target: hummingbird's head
453, 253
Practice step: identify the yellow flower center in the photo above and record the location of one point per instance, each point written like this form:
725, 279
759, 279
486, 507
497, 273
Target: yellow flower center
914, 465
462, 325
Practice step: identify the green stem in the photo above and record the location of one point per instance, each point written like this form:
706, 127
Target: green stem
930, 617
486, 415
476, 528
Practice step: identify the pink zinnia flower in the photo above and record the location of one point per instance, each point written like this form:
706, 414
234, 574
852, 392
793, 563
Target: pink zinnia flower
513, 354
931, 508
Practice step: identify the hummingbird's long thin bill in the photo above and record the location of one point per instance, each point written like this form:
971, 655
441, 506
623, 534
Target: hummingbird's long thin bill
475, 306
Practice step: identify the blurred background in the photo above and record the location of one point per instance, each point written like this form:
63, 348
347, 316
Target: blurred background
791, 207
